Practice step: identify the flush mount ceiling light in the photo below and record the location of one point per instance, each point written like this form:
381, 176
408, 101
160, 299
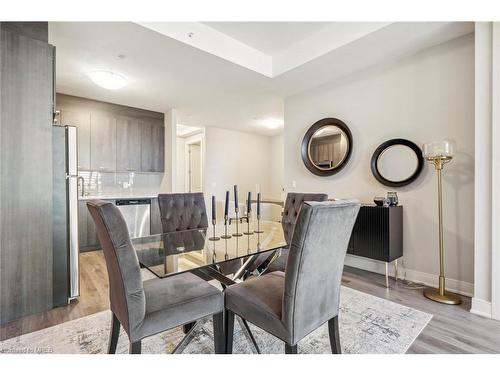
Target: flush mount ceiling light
107, 79
272, 123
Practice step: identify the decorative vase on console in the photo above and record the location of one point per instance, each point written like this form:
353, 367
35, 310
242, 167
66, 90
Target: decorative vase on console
392, 198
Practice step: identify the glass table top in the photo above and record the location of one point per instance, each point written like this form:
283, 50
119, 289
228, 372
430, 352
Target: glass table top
168, 254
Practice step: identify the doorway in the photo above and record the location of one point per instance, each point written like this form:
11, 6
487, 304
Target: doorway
194, 167
190, 159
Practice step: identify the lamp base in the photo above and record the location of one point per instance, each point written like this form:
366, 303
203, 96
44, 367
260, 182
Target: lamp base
448, 297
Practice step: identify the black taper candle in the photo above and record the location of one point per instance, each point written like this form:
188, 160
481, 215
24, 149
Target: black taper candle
236, 197
258, 204
213, 208
226, 206
249, 202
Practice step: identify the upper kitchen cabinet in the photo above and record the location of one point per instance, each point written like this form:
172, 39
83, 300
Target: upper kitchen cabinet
102, 143
80, 119
114, 138
128, 145
152, 147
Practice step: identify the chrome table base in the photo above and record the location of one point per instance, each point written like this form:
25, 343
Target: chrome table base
225, 281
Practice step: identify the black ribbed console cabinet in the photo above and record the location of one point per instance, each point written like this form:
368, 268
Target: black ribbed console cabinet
378, 233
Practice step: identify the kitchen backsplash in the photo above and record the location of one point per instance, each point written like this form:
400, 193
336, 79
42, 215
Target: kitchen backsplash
109, 183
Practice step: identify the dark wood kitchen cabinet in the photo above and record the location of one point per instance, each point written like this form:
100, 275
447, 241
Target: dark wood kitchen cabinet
128, 145
115, 138
87, 234
102, 143
152, 147
155, 217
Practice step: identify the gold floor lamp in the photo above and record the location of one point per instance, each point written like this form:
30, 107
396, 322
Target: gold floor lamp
440, 153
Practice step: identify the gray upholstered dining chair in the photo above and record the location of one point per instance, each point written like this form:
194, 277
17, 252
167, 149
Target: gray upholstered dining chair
293, 204
153, 306
182, 211
292, 304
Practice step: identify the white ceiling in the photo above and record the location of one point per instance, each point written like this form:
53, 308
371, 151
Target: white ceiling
269, 37
233, 75
162, 73
269, 48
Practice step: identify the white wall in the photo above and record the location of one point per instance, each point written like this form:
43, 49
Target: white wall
276, 163
234, 157
169, 177
180, 183
424, 97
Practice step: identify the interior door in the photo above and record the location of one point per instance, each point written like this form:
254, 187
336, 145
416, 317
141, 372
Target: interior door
195, 168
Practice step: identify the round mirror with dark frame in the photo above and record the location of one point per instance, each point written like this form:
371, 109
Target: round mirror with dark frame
327, 147
397, 162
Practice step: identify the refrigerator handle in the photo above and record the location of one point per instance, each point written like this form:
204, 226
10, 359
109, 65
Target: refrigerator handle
72, 186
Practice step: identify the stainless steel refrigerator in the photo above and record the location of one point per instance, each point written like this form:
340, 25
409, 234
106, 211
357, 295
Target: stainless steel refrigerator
66, 279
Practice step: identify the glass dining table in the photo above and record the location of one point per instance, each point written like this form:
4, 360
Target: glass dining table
168, 254
229, 259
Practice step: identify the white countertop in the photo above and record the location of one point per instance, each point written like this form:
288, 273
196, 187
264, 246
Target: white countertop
124, 195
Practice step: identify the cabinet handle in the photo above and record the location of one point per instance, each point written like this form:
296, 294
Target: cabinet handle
130, 169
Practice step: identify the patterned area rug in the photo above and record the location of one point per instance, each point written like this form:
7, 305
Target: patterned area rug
368, 324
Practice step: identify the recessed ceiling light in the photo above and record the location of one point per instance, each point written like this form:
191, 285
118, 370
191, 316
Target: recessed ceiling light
107, 79
272, 123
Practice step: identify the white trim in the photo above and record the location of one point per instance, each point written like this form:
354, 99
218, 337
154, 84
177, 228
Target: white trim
456, 286
481, 307
495, 177
482, 161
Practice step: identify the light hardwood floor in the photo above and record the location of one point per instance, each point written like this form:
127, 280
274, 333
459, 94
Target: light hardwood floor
452, 329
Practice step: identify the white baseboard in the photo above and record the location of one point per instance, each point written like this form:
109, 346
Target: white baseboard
481, 307
455, 286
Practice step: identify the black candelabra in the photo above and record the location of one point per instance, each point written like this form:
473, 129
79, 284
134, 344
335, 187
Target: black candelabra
258, 215
226, 217
237, 213
248, 217
214, 221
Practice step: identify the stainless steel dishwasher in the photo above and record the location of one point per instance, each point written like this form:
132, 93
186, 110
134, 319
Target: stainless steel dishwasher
137, 214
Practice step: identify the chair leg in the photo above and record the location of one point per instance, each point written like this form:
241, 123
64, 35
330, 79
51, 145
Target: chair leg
333, 331
290, 349
135, 347
219, 338
229, 325
113, 334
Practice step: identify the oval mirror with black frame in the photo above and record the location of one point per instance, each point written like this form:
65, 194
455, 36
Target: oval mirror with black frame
397, 162
327, 147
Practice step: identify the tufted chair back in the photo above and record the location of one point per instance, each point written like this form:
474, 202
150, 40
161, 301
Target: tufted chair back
291, 211
182, 211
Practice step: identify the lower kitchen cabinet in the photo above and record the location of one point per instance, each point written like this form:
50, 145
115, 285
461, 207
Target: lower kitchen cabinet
87, 235
155, 217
